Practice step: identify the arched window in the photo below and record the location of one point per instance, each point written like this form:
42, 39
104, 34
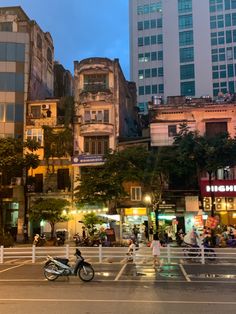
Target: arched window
39, 42
49, 55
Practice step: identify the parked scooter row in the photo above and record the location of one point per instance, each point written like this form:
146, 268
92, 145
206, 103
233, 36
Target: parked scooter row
40, 240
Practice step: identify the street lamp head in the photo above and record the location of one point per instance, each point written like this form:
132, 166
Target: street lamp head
147, 199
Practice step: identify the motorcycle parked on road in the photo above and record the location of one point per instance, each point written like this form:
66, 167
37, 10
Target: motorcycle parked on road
39, 240
56, 267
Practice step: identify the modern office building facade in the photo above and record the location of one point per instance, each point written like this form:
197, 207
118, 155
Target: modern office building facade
26, 68
182, 47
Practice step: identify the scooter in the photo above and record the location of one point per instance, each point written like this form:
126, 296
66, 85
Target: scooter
56, 267
39, 240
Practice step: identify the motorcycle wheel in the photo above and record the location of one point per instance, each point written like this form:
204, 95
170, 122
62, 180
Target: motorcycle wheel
86, 272
49, 276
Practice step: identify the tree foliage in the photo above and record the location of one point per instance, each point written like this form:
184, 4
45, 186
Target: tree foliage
106, 184
15, 157
50, 210
201, 153
90, 220
57, 143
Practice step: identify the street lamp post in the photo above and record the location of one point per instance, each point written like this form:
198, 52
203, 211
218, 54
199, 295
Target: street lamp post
154, 208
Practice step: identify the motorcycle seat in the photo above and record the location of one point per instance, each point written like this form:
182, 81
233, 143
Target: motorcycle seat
62, 260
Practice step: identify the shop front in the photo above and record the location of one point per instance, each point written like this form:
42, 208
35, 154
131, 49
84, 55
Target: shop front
223, 194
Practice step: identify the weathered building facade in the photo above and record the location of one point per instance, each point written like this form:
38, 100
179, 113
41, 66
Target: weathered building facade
208, 119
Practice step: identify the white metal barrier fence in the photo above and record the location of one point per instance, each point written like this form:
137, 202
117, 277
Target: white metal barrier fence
101, 254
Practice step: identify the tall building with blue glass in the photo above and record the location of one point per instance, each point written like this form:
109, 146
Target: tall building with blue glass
182, 47
26, 68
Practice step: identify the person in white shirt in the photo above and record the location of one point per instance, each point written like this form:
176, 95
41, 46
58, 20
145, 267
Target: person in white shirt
155, 246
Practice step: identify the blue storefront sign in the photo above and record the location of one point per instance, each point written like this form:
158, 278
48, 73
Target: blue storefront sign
87, 160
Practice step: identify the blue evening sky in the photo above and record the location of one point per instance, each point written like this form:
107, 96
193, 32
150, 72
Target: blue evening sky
82, 28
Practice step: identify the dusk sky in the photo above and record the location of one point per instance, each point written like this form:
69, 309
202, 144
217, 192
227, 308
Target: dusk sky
82, 28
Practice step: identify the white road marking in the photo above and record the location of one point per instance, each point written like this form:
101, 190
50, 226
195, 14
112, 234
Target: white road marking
9, 268
184, 273
119, 301
120, 272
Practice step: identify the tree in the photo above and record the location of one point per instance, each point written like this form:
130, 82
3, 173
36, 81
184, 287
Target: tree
90, 220
204, 154
16, 157
50, 210
57, 143
105, 185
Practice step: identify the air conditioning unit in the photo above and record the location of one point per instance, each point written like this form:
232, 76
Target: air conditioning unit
45, 106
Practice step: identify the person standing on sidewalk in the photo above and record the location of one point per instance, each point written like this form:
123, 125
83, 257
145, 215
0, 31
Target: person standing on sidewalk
155, 246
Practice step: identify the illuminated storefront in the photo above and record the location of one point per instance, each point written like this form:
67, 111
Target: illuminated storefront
223, 193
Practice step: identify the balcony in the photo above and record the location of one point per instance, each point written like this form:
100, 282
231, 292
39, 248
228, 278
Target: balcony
38, 122
96, 128
96, 95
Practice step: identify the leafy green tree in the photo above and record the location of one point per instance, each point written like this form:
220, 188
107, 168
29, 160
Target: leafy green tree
16, 157
50, 210
105, 185
204, 153
90, 220
57, 143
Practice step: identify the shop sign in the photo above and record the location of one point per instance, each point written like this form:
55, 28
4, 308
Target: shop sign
84, 160
135, 212
198, 221
212, 222
225, 188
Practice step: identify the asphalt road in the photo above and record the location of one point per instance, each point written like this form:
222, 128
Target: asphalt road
120, 288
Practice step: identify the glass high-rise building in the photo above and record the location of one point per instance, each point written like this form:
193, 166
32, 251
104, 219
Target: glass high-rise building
182, 47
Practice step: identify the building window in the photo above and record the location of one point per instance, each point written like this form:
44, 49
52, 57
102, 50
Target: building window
160, 72
140, 41
96, 145
154, 72
185, 21
154, 89
96, 116
49, 55
35, 134
214, 128
154, 56
12, 52
6, 27
95, 82
187, 88
147, 90
146, 24
140, 26
147, 41
184, 6
39, 42
172, 130
136, 193
63, 179
161, 88
186, 38
147, 73
140, 75
186, 54
12, 82
153, 40
141, 90
187, 71
36, 111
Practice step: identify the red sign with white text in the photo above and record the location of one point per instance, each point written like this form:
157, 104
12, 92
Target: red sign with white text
212, 222
225, 188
